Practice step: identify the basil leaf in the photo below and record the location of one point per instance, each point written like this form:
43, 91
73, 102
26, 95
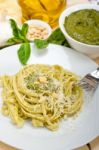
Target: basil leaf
56, 37
40, 44
13, 40
65, 43
14, 27
18, 33
24, 53
23, 39
24, 29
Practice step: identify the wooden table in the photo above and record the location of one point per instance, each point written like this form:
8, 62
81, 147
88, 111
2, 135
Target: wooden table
97, 60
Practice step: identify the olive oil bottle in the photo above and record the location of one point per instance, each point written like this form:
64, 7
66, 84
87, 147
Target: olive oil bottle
46, 10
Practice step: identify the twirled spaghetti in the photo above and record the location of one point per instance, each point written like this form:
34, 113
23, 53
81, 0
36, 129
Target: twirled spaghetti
41, 93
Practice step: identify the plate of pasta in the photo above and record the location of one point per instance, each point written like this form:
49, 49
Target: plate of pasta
41, 105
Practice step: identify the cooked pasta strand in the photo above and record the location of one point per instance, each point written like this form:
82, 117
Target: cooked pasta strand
42, 93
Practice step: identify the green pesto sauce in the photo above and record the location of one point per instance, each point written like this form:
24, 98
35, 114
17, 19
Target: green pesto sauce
83, 26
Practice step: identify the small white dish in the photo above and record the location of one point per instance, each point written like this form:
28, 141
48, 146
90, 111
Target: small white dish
90, 50
40, 23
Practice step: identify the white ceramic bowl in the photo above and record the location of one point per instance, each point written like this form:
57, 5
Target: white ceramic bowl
90, 50
40, 23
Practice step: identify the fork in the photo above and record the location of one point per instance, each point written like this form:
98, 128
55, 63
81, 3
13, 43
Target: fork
90, 81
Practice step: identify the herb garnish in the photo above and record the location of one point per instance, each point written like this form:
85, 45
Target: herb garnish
24, 53
20, 36
56, 37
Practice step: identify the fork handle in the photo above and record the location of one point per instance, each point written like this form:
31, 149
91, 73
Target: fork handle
95, 74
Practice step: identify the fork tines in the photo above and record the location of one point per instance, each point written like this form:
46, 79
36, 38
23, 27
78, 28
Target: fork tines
88, 83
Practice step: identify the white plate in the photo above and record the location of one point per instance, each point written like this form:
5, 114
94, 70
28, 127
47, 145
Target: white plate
72, 132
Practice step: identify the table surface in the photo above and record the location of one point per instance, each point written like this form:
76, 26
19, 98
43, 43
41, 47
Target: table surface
97, 60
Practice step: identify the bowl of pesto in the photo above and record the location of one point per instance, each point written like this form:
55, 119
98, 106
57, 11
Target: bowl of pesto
80, 25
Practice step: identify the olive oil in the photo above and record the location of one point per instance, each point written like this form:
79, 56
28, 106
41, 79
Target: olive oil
46, 10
